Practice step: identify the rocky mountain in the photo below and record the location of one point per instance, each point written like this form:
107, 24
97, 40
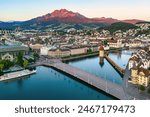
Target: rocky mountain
106, 20
64, 16
64, 19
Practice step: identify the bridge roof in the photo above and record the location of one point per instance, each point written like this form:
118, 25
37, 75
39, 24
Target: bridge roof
13, 48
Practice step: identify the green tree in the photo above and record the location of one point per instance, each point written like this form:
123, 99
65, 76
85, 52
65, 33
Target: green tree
31, 60
148, 91
6, 64
1, 73
141, 88
30, 49
89, 50
105, 42
20, 59
36, 56
88, 33
25, 63
1, 67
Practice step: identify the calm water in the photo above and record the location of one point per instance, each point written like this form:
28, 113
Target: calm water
121, 58
104, 70
48, 84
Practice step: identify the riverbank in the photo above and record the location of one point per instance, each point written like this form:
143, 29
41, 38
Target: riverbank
65, 59
15, 75
80, 56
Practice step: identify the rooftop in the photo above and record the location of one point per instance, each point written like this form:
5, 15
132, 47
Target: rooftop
12, 48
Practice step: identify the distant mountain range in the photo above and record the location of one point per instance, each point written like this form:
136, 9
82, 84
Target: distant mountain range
64, 19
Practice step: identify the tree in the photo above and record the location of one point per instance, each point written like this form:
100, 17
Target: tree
31, 60
89, 50
36, 56
5, 64
25, 63
1, 73
148, 91
30, 49
142, 88
1, 67
20, 59
105, 42
88, 33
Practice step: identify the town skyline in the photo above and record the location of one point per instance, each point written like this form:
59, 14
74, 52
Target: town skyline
26, 10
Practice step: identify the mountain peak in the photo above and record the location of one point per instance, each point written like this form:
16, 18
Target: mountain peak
66, 16
65, 13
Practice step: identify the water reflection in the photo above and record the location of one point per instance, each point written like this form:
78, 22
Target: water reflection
49, 84
101, 67
121, 57
101, 59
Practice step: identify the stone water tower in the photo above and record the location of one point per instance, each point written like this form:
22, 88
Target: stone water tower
101, 55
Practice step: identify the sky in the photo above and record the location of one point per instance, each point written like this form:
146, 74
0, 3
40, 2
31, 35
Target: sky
20, 10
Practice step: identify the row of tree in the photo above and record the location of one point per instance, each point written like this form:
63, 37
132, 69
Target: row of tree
6, 64
25, 63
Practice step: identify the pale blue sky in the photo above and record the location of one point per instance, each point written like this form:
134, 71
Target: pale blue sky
120, 9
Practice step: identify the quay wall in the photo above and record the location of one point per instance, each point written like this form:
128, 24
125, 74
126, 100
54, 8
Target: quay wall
79, 57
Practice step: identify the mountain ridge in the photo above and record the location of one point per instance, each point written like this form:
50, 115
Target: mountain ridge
75, 17
63, 16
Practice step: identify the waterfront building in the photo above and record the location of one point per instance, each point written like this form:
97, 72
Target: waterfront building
133, 60
140, 76
134, 75
115, 43
78, 50
133, 43
139, 64
59, 52
141, 59
10, 52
